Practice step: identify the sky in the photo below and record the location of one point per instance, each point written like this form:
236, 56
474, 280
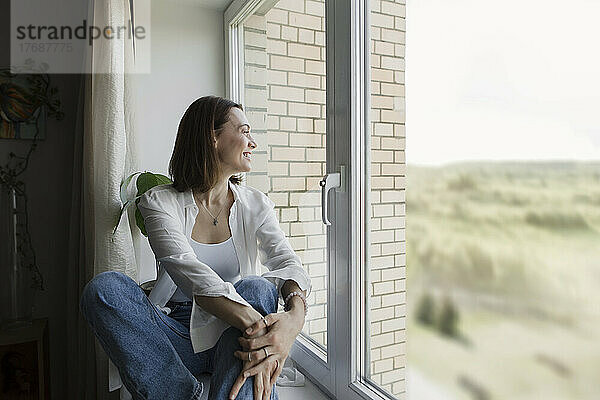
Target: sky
509, 80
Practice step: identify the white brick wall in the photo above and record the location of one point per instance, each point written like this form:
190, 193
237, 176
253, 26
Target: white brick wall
285, 91
388, 270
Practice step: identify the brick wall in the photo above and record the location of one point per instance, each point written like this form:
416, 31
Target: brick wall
284, 70
388, 183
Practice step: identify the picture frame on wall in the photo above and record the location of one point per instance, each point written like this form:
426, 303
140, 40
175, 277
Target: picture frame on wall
24, 363
26, 102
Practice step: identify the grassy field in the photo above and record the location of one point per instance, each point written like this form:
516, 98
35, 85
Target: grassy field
515, 247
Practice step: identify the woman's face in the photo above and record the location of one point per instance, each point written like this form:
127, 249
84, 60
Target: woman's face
234, 144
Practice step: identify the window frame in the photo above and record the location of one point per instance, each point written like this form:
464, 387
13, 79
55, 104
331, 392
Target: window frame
339, 372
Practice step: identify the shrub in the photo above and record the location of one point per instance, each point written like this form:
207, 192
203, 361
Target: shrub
425, 310
447, 322
556, 220
461, 183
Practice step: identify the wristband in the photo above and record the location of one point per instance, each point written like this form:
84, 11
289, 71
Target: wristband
299, 294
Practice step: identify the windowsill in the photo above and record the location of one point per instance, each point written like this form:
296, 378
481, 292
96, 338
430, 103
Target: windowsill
308, 391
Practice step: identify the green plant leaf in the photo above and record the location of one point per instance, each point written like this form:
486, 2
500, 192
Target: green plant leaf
144, 182
148, 180
139, 221
124, 186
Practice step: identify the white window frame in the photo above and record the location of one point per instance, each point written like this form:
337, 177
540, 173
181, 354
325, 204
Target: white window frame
339, 372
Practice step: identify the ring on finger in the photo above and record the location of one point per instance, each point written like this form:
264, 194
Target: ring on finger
266, 352
249, 356
265, 320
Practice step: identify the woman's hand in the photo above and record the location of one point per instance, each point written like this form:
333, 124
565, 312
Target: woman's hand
260, 389
265, 374
283, 328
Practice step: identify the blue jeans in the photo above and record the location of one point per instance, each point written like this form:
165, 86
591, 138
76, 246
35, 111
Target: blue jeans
153, 351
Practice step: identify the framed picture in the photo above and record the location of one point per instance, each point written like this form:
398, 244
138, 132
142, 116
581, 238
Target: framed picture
26, 102
24, 373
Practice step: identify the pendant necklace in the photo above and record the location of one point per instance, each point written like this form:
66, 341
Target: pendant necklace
215, 221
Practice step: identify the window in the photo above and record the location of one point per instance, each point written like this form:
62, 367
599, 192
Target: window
309, 85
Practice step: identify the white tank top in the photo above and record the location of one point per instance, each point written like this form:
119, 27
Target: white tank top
221, 257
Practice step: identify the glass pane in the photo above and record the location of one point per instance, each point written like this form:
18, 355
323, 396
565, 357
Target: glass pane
386, 267
284, 96
503, 201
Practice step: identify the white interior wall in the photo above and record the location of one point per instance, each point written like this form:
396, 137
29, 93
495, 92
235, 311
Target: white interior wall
187, 63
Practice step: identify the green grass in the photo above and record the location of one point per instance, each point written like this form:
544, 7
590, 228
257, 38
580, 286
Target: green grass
518, 245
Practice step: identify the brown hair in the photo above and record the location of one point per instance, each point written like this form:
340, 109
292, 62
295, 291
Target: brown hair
194, 163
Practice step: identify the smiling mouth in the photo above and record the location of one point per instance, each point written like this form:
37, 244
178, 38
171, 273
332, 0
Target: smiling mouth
247, 155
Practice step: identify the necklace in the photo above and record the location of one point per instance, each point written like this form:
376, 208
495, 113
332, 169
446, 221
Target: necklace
215, 221
215, 218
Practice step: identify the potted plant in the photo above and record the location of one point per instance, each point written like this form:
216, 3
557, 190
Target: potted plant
26, 100
144, 181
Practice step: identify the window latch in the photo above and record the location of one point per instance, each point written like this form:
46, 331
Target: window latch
335, 180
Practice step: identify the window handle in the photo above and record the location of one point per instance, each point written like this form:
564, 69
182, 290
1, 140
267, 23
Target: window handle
330, 181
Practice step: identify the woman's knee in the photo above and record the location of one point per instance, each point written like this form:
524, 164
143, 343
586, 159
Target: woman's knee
257, 290
104, 286
257, 286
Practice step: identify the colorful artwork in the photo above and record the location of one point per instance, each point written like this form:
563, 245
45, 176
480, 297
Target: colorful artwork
26, 101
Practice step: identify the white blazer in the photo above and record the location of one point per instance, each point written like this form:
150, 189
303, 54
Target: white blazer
169, 216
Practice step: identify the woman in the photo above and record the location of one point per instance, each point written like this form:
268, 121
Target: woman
209, 310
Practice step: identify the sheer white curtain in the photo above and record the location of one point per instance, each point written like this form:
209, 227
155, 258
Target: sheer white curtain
105, 153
